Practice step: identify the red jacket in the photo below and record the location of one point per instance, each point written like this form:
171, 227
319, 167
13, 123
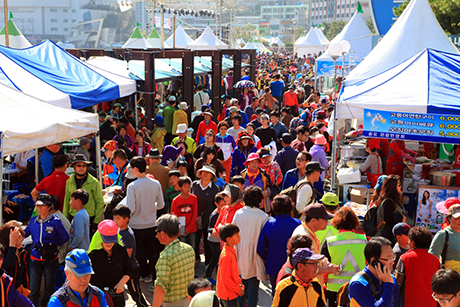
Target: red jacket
419, 268
290, 99
203, 127
228, 278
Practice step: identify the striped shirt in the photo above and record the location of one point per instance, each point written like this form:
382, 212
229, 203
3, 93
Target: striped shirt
170, 194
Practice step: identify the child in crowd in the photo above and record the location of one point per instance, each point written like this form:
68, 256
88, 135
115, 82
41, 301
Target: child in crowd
198, 285
121, 215
234, 198
238, 180
400, 232
214, 243
182, 167
110, 261
79, 229
229, 284
186, 205
47, 234
173, 190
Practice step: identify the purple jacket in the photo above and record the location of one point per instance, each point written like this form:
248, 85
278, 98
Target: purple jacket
318, 155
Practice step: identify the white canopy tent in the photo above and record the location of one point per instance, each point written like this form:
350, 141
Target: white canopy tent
180, 37
154, 40
16, 39
28, 123
415, 30
137, 41
310, 43
357, 33
276, 41
321, 35
207, 41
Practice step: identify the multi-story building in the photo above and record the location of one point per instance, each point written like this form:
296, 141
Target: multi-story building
330, 10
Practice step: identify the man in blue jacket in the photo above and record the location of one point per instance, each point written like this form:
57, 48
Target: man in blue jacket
77, 291
375, 286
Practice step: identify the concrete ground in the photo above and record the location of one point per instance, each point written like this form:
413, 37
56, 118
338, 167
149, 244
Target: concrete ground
265, 299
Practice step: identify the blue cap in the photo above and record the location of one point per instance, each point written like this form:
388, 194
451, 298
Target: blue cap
159, 121
401, 229
380, 182
79, 263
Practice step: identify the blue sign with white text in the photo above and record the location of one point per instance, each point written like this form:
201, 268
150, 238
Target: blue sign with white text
434, 128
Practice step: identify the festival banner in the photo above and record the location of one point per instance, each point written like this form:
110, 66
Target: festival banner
435, 128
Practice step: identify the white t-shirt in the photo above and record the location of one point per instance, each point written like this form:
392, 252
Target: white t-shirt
304, 195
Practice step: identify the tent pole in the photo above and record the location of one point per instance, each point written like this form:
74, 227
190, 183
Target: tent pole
1, 175
98, 153
135, 110
36, 166
334, 153
7, 36
162, 26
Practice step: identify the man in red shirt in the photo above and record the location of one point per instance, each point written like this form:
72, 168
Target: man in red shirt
55, 183
291, 101
303, 132
205, 125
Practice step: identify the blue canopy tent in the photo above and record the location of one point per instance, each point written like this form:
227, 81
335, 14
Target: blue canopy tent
50, 73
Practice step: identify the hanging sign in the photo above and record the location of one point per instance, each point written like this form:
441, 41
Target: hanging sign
434, 128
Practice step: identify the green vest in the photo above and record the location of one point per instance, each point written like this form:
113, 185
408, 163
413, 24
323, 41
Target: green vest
346, 249
322, 235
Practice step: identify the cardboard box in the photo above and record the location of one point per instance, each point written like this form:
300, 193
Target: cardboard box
359, 195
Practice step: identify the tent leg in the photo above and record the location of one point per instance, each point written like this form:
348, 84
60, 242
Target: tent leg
135, 109
36, 166
98, 153
334, 155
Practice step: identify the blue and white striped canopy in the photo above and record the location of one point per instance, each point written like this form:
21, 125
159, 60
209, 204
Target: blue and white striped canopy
49, 73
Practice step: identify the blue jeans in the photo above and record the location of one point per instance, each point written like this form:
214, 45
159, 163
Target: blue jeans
189, 239
251, 292
37, 268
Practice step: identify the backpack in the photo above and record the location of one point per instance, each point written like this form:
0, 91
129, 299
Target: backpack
291, 192
343, 298
373, 221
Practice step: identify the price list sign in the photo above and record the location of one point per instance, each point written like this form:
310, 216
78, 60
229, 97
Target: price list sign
434, 128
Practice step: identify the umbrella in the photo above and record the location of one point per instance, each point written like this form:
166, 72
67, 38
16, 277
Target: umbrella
244, 84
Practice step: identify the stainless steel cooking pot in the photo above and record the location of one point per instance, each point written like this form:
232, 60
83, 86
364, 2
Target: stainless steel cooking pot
443, 179
353, 150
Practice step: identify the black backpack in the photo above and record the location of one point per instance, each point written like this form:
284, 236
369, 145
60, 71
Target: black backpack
343, 298
373, 221
291, 192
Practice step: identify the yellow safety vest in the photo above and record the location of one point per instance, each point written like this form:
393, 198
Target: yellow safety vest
346, 249
322, 235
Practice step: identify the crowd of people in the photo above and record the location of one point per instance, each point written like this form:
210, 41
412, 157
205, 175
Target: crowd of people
243, 191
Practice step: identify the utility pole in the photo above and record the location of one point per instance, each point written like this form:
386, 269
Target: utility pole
7, 36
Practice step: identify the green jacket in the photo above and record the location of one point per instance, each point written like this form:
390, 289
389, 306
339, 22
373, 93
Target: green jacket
168, 115
95, 205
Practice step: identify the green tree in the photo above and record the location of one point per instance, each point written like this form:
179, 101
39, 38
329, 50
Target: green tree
447, 13
331, 29
370, 25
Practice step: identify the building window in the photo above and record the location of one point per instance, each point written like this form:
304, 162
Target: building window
353, 4
343, 6
53, 10
64, 10
54, 20
74, 10
338, 6
343, 15
54, 29
348, 5
66, 29
74, 20
338, 15
348, 14
65, 21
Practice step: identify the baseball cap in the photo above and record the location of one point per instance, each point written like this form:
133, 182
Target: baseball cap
79, 263
264, 153
304, 254
259, 111
330, 199
454, 211
44, 200
313, 166
380, 182
402, 229
109, 231
317, 211
84, 141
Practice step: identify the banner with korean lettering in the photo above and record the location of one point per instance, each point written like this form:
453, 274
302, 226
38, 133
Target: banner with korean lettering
434, 128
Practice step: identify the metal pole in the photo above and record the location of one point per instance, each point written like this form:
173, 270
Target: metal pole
174, 32
37, 163
343, 64
7, 37
334, 136
98, 153
162, 26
